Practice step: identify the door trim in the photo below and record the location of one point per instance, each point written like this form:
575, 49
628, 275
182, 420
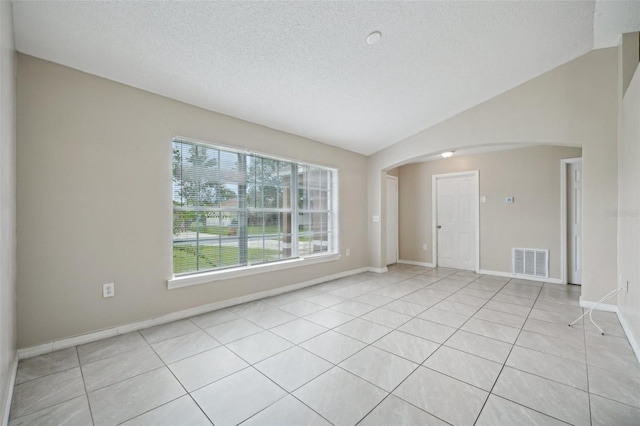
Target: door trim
564, 165
434, 213
397, 218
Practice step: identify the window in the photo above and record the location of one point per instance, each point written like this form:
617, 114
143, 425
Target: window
236, 209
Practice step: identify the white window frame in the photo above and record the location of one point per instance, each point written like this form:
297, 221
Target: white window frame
204, 277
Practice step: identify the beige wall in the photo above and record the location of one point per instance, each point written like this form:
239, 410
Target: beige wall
575, 104
629, 206
94, 201
628, 57
7, 203
531, 175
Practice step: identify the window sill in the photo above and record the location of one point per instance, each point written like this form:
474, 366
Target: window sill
208, 277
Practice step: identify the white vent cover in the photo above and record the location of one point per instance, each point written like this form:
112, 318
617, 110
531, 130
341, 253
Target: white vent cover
531, 262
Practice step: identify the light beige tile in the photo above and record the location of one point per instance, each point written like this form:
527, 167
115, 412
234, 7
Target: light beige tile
456, 308
491, 329
554, 399
551, 345
214, 318
605, 412
293, 368
501, 412
395, 411
74, 412
374, 299
619, 387
332, 346
127, 399
481, 346
444, 317
407, 346
236, 398
379, 367
181, 411
428, 330
259, 346
354, 308
111, 346
299, 330
168, 331
181, 347
441, 395
233, 330
329, 318
465, 367
271, 318
350, 399
287, 411
550, 367
302, 308
46, 391
206, 367
406, 308
503, 318
114, 369
508, 308
43, 365
362, 330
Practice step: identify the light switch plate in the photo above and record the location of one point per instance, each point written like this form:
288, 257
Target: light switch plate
509, 200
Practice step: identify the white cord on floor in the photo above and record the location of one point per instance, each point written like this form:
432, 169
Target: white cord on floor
590, 311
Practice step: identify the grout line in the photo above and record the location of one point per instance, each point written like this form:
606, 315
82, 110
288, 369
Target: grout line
84, 384
505, 360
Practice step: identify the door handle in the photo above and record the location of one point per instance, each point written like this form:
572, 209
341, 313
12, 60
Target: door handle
439, 226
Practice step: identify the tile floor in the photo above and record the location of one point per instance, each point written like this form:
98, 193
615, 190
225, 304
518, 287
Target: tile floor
414, 346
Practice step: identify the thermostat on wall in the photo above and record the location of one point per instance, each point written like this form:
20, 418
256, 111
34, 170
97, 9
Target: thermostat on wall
509, 200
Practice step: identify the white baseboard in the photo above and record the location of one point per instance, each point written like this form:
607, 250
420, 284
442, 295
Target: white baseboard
413, 262
521, 277
606, 307
625, 325
9, 395
378, 270
174, 316
627, 331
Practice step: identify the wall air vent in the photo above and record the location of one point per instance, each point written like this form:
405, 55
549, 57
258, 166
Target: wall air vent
531, 262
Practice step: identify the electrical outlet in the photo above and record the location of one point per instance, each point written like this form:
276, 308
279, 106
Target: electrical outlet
108, 290
424, 247
348, 252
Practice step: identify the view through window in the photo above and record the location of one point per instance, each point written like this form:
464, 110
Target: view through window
234, 209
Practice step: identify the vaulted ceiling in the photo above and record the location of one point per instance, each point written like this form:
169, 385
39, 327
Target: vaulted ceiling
306, 68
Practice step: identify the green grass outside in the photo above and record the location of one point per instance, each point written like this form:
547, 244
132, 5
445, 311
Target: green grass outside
185, 258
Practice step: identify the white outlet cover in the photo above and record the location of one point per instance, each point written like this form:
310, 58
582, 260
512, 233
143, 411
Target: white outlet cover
424, 247
108, 290
483, 198
509, 200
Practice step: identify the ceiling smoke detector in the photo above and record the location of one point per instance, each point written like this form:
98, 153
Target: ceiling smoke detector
374, 37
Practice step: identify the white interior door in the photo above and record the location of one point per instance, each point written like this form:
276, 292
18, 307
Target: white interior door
392, 220
456, 204
574, 223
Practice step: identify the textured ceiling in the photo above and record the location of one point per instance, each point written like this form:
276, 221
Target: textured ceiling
305, 67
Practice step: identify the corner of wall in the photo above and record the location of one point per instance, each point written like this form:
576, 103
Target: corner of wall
8, 359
